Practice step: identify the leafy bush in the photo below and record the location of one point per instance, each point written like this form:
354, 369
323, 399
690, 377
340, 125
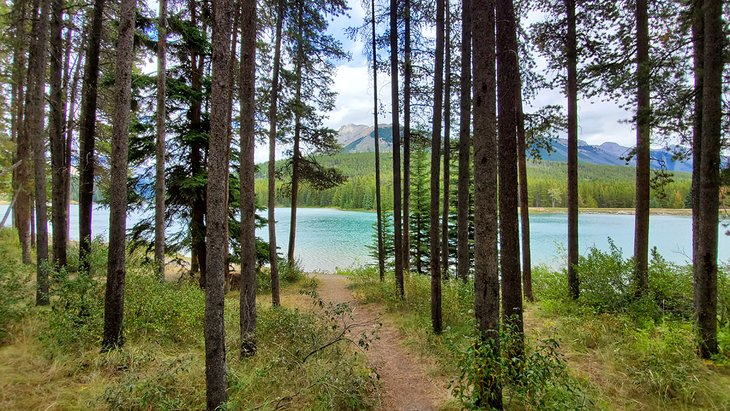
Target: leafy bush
548, 284
605, 279
76, 319
671, 287
539, 380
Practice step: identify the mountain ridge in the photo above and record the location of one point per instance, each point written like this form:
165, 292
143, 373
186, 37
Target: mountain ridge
358, 138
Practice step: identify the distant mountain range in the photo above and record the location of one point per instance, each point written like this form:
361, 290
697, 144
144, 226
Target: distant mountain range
357, 138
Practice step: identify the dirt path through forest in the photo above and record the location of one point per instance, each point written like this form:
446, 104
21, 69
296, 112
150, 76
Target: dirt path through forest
404, 379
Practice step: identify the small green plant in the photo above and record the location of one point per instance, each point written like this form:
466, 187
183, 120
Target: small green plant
539, 380
76, 318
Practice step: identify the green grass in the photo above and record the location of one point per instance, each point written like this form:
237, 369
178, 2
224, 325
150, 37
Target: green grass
51, 356
613, 353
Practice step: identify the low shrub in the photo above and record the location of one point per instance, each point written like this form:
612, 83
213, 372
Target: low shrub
539, 380
162, 311
76, 319
15, 292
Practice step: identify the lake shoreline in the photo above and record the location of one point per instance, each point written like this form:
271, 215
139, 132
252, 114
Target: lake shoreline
545, 210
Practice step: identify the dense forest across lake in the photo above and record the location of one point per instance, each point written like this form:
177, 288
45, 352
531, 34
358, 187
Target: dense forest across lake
600, 186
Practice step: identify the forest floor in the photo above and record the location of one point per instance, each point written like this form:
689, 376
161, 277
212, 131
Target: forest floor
407, 382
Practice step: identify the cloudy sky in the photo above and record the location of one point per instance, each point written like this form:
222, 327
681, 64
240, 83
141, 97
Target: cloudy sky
598, 121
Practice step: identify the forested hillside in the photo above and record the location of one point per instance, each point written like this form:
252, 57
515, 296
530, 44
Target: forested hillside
600, 186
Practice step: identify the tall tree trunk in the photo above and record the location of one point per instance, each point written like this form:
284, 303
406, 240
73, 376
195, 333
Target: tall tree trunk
698, 49
198, 230
447, 144
34, 127
509, 239
217, 209
57, 120
523, 197
89, 94
248, 198
643, 119
378, 202
572, 56
407, 74
160, 143
32, 220
273, 262
296, 155
486, 273
435, 162
22, 186
397, 212
462, 223
116, 271
70, 127
705, 272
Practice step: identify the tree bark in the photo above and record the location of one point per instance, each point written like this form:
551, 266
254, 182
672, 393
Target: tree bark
217, 209
378, 201
57, 120
698, 49
89, 94
296, 155
70, 127
486, 273
197, 166
248, 198
407, 74
705, 272
273, 262
462, 224
435, 162
116, 271
447, 144
34, 128
22, 208
643, 119
160, 142
509, 240
572, 88
523, 197
397, 211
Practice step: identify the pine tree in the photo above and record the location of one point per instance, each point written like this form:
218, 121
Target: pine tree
247, 101
217, 209
486, 275
160, 141
116, 271
463, 259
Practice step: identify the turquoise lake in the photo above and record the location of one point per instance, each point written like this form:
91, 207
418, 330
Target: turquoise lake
328, 239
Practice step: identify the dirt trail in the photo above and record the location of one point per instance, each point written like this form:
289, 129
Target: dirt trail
405, 382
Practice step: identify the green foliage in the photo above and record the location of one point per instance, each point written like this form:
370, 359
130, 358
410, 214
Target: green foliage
537, 381
605, 279
76, 319
14, 289
600, 186
388, 242
161, 311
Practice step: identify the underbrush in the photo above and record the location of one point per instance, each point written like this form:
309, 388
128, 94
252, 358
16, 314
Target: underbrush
642, 350
52, 355
607, 350
543, 381
14, 284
